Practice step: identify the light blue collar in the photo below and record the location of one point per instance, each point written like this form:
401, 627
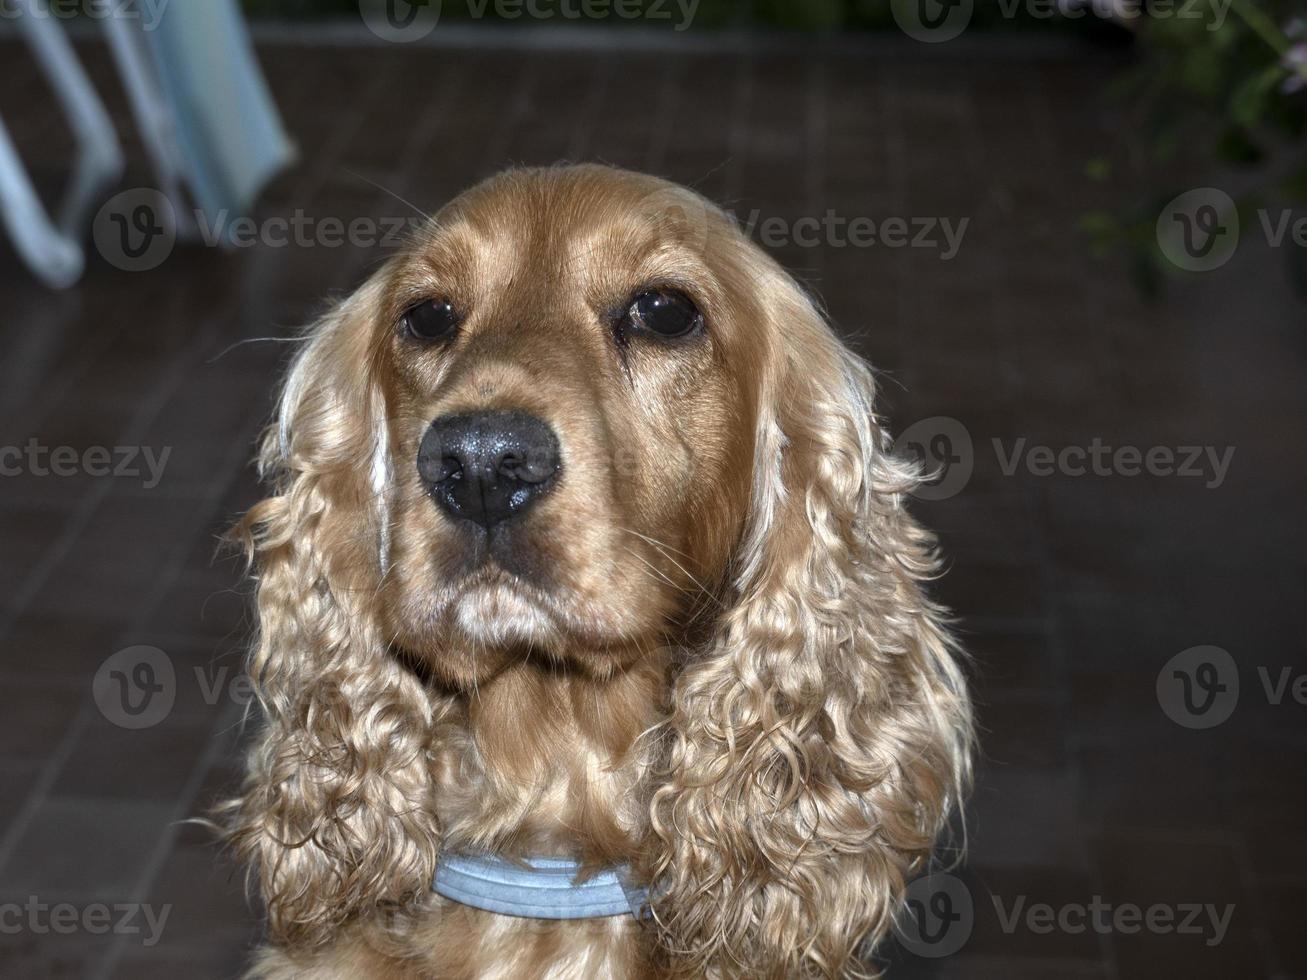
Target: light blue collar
538, 888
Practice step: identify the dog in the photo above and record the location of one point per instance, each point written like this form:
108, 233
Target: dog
586, 565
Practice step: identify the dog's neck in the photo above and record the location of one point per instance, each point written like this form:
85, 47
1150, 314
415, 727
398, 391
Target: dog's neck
546, 761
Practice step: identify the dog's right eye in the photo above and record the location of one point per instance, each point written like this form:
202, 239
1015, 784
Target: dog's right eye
432, 319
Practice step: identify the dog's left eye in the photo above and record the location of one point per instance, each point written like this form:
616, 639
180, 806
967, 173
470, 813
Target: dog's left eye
433, 319
663, 312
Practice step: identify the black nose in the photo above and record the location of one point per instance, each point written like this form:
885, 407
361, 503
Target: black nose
488, 466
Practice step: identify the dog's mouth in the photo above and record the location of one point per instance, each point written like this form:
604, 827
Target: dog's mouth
472, 596
503, 554
490, 575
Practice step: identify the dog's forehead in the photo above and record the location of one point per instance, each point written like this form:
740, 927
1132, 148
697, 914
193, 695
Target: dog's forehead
565, 224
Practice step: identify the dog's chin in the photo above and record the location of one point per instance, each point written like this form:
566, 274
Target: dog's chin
493, 619
497, 615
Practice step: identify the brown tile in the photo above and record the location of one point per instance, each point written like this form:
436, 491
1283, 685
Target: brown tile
1212, 935
35, 717
169, 962
85, 849
149, 764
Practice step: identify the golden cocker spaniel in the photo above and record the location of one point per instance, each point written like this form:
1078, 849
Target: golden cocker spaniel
584, 544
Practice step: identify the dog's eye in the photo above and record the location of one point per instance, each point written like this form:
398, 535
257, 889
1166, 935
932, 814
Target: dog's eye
664, 312
433, 319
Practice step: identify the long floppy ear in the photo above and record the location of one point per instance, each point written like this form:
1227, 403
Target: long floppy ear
336, 811
819, 743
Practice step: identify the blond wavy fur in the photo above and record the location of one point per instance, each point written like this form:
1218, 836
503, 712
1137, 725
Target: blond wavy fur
338, 815
820, 741
791, 767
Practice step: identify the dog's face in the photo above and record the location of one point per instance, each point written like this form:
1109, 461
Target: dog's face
565, 361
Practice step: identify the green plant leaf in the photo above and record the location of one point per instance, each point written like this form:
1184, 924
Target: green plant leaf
1249, 99
1235, 145
1203, 71
1098, 168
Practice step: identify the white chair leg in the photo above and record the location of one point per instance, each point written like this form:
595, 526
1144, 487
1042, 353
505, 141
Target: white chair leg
54, 257
152, 110
99, 154
52, 250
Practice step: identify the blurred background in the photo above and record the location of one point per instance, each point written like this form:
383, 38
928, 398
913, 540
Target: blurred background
1072, 237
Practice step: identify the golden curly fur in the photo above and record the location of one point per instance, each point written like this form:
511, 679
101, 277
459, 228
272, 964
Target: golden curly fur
719, 666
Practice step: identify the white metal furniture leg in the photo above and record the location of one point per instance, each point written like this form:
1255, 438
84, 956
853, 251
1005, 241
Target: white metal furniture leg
100, 156
152, 109
52, 249
55, 258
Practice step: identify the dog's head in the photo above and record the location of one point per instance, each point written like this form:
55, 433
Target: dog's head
570, 363
582, 415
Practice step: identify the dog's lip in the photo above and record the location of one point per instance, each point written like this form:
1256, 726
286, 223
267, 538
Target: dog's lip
490, 574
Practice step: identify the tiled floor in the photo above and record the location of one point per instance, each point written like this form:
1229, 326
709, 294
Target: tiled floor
1073, 591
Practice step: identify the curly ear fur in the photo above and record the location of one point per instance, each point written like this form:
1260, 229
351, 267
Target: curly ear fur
819, 743
336, 815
